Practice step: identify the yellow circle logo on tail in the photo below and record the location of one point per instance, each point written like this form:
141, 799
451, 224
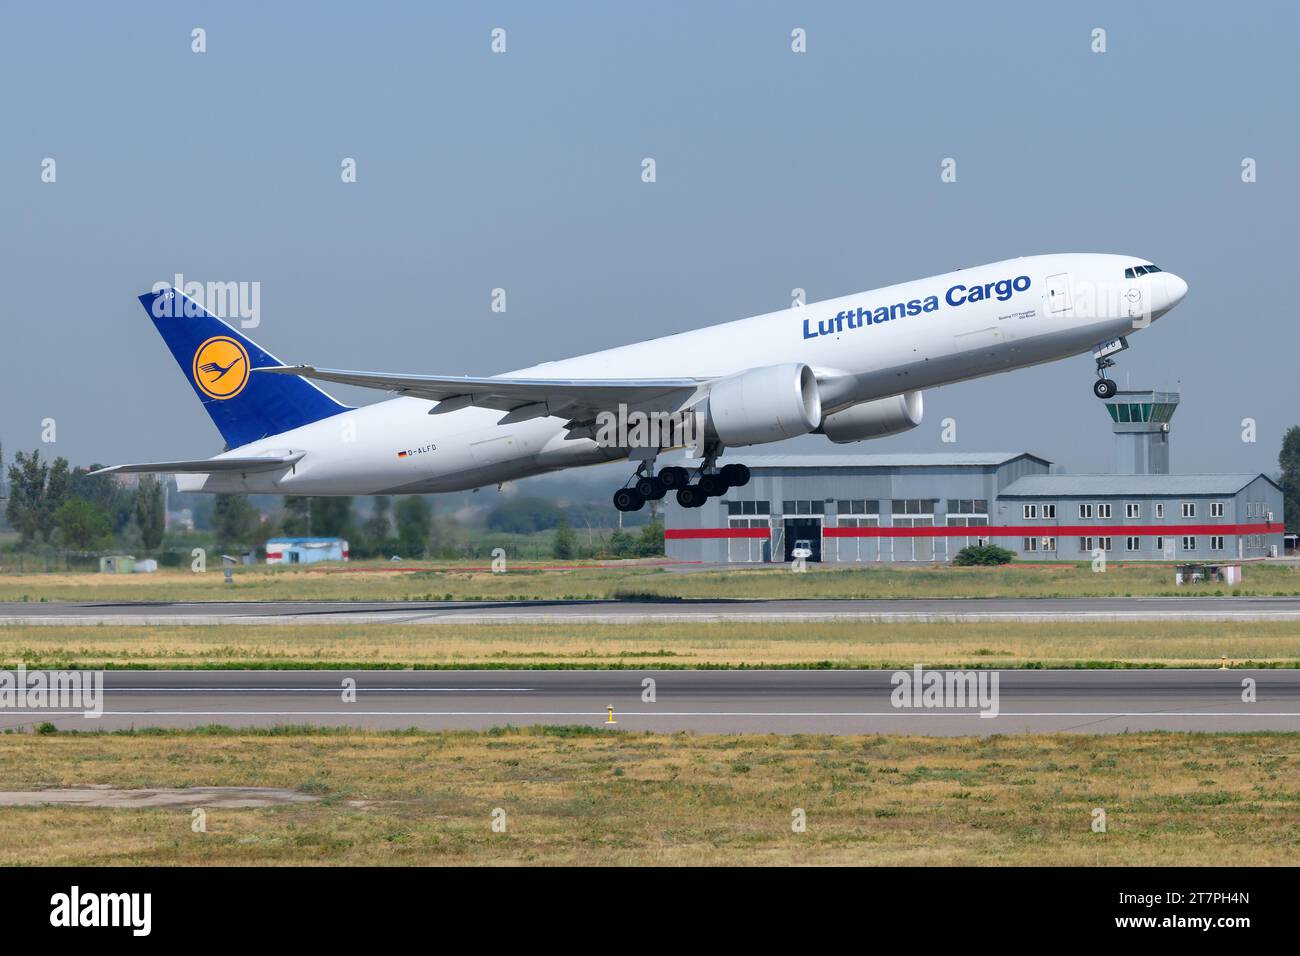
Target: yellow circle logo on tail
221, 367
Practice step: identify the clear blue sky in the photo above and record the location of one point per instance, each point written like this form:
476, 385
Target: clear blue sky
522, 171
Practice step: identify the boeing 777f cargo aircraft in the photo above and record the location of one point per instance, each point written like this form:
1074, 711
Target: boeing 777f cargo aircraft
850, 369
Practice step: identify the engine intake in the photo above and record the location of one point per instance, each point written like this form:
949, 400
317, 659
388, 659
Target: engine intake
876, 419
764, 404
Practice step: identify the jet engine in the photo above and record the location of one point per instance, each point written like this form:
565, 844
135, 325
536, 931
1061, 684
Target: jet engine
876, 419
765, 404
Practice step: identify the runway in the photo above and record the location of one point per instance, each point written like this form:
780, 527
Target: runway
139, 614
772, 701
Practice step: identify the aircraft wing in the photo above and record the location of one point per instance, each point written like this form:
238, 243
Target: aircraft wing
203, 465
520, 398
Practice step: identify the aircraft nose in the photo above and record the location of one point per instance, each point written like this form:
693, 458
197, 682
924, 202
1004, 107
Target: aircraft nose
1175, 289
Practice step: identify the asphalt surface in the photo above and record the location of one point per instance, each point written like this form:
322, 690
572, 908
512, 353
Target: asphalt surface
632, 612
839, 702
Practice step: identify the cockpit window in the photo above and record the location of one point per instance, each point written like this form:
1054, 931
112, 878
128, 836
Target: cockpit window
1134, 271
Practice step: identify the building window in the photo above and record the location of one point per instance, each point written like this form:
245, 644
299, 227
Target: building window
1031, 511
1189, 509
1085, 511
1049, 544
914, 506
1085, 544
1104, 543
858, 506
1160, 509
1216, 542
1049, 511
805, 506
1103, 511
1029, 544
1132, 510
1160, 543
1189, 542
968, 506
736, 508
1216, 509
1133, 543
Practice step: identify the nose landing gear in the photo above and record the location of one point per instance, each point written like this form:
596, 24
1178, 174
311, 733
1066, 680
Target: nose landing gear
1105, 387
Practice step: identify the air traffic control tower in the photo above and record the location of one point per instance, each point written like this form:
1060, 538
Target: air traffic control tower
1140, 421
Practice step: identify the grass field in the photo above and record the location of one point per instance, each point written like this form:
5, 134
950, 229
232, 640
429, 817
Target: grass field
726, 644
600, 798
376, 582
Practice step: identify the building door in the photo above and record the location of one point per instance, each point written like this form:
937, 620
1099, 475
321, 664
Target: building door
748, 549
803, 529
856, 548
912, 548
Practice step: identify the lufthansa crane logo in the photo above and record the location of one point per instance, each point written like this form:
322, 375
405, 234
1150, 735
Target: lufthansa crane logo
221, 367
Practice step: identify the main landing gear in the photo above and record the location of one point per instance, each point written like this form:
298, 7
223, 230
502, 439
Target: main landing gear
708, 484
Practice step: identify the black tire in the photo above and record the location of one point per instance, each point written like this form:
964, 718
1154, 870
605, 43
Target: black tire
1104, 388
674, 477
712, 486
691, 497
626, 499
650, 489
736, 476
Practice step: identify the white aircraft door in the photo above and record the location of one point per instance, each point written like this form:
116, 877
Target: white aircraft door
1058, 294
493, 451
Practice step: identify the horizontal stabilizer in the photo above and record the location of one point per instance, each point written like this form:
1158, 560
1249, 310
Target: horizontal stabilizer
203, 466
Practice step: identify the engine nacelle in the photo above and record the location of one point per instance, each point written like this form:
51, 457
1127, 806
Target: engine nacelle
764, 404
884, 416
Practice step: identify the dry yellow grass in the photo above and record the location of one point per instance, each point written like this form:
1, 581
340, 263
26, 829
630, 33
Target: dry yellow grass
378, 582
841, 644
616, 798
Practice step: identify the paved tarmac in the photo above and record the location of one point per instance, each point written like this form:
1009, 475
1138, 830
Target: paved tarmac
741, 701
631, 612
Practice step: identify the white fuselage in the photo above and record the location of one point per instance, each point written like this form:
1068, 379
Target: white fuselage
943, 333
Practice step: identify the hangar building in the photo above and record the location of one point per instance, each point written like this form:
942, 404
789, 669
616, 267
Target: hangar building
926, 507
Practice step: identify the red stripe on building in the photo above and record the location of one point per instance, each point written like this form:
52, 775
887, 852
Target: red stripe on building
993, 531
691, 533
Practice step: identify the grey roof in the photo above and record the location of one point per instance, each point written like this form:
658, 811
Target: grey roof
924, 459
1034, 486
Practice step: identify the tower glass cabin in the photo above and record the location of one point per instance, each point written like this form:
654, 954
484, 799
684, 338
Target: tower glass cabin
1140, 421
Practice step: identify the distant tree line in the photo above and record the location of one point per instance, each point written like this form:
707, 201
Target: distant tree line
48, 503
51, 505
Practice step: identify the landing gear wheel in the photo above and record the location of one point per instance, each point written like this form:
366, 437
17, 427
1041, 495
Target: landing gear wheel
1104, 388
626, 499
674, 477
712, 486
691, 497
650, 489
736, 476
